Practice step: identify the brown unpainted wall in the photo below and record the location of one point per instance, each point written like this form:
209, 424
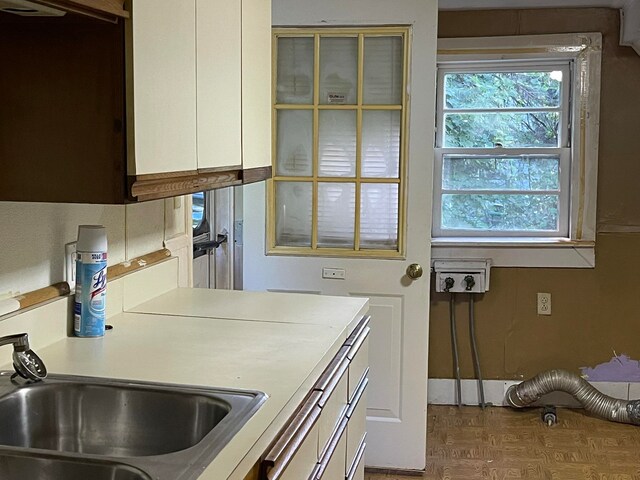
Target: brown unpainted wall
594, 311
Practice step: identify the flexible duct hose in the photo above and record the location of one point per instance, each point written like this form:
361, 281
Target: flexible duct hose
594, 401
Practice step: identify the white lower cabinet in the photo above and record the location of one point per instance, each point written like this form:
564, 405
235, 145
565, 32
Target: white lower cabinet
332, 413
358, 472
335, 467
325, 438
305, 459
356, 431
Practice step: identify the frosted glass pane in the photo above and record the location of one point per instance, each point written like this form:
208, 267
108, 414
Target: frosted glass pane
380, 143
295, 70
293, 214
383, 58
338, 70
337, 143
379, 216
336, 214
295, 138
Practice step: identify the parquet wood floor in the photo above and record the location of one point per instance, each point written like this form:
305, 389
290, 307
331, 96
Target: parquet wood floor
503, 444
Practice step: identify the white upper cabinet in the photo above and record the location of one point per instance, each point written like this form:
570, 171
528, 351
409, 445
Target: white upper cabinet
198, 86
161, 86
219, 54
256, 83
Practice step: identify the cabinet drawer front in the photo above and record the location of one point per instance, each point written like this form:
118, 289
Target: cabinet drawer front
357, 472
304, 460
335, 467
359, 364
301, 431
357, 427
332, 413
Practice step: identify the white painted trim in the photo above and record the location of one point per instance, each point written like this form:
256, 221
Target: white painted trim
629, 11
630, 25
512, 4
585, 49
441, 391
522, 256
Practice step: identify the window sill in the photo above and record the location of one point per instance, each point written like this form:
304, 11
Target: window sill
518, 252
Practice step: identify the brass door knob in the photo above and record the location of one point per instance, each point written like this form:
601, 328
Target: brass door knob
414, 271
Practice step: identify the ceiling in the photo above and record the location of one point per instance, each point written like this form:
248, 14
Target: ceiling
630, 11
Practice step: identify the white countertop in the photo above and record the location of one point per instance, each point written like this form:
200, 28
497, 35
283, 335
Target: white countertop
275, 343
262, 306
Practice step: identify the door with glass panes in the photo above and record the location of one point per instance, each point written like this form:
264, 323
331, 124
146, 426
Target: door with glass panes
350, 193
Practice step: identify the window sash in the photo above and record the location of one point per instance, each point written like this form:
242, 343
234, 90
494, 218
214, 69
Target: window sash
359, 248
564, 133
563, 191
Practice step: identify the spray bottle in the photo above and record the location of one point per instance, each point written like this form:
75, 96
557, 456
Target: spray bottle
91, 281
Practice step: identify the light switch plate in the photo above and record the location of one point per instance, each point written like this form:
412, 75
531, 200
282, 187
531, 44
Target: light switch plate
70, 264
334, 273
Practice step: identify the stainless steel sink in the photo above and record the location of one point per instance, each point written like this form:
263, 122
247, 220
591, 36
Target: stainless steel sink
115, 420
16, 466
164, 431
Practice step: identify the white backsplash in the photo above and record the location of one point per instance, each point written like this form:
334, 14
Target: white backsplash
33, 235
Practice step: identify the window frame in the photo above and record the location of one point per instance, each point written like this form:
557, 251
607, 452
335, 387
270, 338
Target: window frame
359, 107
562, 151
576, 248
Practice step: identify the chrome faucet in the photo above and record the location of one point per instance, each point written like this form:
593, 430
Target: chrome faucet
25, 362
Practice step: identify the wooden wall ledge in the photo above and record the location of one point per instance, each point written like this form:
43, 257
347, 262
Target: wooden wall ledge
61, 289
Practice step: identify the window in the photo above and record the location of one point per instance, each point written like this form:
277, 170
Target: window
503, 157
516, 145
340, 108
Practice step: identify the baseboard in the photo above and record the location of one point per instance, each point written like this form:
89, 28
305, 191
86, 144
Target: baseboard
394, 471
442, 391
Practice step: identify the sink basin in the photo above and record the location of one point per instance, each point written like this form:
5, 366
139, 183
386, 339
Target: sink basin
116, 428
121, 421
42, 467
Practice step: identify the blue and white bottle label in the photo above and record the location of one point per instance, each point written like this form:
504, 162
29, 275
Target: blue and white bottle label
91, 288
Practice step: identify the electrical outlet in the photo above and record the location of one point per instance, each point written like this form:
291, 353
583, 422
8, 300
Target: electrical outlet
544, 304
70, 264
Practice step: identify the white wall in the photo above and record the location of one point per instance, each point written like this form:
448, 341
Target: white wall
33, 235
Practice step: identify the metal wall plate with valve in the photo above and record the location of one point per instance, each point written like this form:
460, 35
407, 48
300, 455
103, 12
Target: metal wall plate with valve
462, 276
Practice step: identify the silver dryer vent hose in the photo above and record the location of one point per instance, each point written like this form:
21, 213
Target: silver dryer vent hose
594, 401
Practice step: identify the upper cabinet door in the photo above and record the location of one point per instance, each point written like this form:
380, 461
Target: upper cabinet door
256, 83
219, 53
161, 86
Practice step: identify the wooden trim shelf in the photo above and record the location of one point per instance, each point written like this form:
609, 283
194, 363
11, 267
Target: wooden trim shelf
42, 295
258, 174
107, 10
170, 184
124, 268
143, 188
